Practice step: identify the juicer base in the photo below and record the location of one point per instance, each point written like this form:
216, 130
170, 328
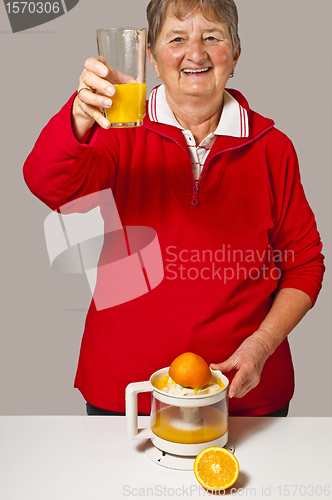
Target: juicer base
175, 461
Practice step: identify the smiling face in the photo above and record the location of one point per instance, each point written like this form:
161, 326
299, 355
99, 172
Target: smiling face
193, 57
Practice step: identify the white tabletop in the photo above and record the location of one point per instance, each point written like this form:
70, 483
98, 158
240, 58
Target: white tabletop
91, 458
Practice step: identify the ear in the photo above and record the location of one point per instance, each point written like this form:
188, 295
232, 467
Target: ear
236, 57
153, 61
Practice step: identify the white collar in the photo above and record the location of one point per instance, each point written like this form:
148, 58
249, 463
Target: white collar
233, 121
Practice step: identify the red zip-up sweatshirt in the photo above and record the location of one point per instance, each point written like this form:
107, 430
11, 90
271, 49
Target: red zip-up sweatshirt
228, 243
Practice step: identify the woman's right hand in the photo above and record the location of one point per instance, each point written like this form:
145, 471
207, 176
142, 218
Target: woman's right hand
87, 107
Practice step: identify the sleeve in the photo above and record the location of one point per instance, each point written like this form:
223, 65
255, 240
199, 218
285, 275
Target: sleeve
60, 169
294, 238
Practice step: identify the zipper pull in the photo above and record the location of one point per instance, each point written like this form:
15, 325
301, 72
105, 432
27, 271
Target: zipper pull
194, 201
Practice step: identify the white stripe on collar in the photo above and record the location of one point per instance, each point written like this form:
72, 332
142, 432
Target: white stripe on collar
233, 121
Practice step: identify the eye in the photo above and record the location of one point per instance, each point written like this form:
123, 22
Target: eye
178, 39
211, 38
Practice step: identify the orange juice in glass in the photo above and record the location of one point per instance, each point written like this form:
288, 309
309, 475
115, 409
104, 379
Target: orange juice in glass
128, 104
123, 50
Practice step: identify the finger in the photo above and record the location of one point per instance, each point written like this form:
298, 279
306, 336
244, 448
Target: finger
96, 114
92, 99
112, 76
244, 392
226, 366
238, 385
97, 66
93, 81
242, 383
115, 76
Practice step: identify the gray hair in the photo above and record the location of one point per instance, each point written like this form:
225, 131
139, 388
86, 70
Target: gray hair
215, 10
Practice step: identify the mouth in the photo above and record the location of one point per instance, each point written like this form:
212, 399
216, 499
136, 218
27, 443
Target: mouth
196, 71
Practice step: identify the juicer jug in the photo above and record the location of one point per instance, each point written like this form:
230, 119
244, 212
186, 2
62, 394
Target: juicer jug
180, 425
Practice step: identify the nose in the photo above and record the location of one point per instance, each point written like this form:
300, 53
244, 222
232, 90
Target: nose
196, 51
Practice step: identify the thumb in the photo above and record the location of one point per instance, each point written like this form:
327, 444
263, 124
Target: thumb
225, 366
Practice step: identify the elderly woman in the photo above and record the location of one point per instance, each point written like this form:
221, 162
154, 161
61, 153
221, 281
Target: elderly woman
221, 187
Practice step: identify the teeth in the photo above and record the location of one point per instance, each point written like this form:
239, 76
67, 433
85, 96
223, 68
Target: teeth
196, 70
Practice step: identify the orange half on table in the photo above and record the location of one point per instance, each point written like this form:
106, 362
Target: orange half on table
216, 468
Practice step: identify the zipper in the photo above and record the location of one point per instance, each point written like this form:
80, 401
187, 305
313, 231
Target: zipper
195, 201
195, 184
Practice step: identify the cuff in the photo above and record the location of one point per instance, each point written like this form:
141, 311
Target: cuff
68, 138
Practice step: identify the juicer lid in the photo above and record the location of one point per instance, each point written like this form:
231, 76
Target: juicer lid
189, 400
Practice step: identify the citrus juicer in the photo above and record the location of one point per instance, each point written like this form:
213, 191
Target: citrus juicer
180, 425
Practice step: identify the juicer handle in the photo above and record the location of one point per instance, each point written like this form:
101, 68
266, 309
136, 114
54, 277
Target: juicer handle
131, 410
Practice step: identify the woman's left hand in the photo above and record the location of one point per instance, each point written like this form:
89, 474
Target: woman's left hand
248, 360
288, 308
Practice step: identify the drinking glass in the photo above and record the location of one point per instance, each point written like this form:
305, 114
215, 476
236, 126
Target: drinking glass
123, 50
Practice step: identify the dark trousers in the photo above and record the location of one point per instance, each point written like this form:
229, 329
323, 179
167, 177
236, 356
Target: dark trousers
93, 410
283, 412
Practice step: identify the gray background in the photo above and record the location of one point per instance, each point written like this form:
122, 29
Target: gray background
284, 72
